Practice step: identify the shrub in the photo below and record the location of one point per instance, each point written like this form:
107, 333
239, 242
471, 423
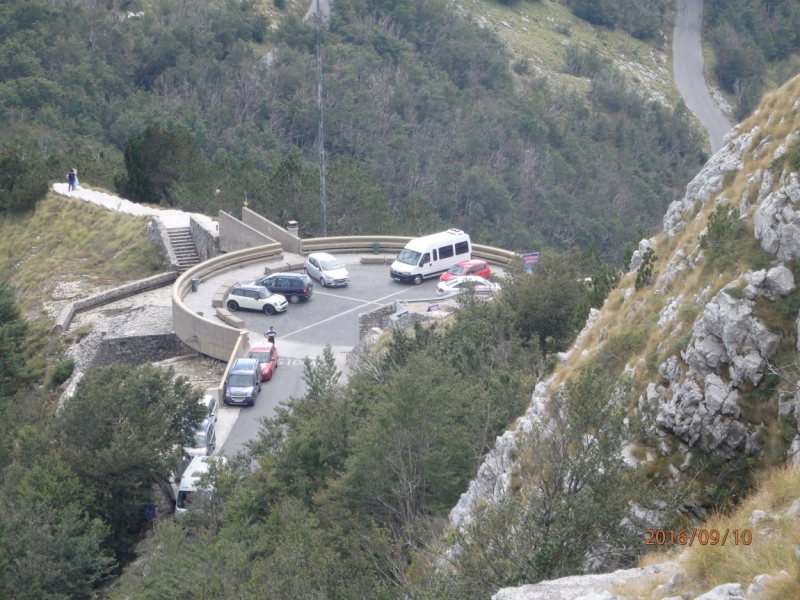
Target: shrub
645, 274
61, 373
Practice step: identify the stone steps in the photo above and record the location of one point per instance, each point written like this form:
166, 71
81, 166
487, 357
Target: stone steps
183, 246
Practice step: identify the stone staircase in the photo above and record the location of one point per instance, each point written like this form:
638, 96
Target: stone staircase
183, 246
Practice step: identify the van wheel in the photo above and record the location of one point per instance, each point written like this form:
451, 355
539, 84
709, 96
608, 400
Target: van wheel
322, 281
233, 306
269, 309
417, 279
294, 298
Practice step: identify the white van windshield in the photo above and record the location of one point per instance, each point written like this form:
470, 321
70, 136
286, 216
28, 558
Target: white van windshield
409, 257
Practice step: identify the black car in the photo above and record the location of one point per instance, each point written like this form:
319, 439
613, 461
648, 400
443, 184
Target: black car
295, 286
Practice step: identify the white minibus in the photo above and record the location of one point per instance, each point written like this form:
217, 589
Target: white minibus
431, 255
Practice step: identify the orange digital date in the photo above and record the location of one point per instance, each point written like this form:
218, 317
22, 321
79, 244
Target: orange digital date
704, 537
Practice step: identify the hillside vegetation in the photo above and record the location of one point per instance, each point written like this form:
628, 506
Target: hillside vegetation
426, 124
756, 47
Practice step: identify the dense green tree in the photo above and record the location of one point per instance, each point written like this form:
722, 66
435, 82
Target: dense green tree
23, 178
119, 433
575, 499
544, 303
156, 160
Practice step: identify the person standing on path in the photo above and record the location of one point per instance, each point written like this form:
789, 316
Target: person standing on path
72, 177
271, 334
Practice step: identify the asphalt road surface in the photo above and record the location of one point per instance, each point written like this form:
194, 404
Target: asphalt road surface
330, 316
687, 67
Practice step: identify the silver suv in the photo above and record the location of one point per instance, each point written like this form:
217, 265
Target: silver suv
255, 297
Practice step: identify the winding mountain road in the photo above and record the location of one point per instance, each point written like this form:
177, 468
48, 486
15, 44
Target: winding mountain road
687, 68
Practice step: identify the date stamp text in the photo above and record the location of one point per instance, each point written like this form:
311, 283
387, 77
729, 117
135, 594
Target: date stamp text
704, 537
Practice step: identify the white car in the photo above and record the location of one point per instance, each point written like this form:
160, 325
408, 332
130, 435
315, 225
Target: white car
457, 285
210, 404
326, 269
205, 440
255, 297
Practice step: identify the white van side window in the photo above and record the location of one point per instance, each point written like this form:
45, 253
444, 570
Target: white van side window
446, 251
462, 248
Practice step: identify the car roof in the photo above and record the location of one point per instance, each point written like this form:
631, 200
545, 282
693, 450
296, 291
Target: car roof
470, 262
261, 347
204, 426
461, 278
244, 363
286, 275
248, 286
322, 256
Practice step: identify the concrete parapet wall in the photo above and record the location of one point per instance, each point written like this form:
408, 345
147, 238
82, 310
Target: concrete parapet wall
207, 335
157, 233
495, 256
355, 243
235, 235
109, 296
263, 225
239, 350
205, 241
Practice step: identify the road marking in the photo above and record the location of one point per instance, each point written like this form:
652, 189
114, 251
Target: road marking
348, 298
340, 314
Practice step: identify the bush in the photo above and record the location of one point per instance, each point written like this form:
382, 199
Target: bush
23, 179
61, 373
645, 274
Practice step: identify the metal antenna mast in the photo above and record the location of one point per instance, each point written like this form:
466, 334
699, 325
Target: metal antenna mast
321, 130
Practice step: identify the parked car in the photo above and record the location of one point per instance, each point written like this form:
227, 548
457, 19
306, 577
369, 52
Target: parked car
172, 485
294, 286
255, 297
458, 285
478, 268
205, 440
267, 356
211, 405
190, 482
243, 382
326, 269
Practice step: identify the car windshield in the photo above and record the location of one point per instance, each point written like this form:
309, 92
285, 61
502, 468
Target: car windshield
329, 265
260, 356
199, 439
240, 380
183, 501
264, 293
457, 270
409, 257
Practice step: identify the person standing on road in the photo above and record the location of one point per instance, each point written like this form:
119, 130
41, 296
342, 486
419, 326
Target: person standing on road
271, 334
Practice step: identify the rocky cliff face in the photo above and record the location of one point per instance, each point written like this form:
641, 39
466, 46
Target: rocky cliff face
722, 349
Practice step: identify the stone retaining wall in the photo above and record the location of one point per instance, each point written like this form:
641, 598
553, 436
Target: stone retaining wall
135, 350
205, 241
373, 318
157, 233
109, 296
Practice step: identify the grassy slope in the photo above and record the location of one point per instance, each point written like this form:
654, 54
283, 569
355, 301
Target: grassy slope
625, 319
69, 241
540, 31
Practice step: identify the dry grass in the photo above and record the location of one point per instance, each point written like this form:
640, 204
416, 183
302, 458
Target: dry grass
68, 240
541, 31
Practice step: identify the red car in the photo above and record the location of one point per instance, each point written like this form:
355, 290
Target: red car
478, 268
267, 356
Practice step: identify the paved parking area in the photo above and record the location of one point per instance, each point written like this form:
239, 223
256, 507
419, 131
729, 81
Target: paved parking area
330, 316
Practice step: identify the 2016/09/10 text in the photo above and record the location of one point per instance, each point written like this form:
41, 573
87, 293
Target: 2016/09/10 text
704, 537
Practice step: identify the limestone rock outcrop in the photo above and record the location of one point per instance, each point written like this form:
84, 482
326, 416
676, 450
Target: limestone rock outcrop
777, 221
709, 180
